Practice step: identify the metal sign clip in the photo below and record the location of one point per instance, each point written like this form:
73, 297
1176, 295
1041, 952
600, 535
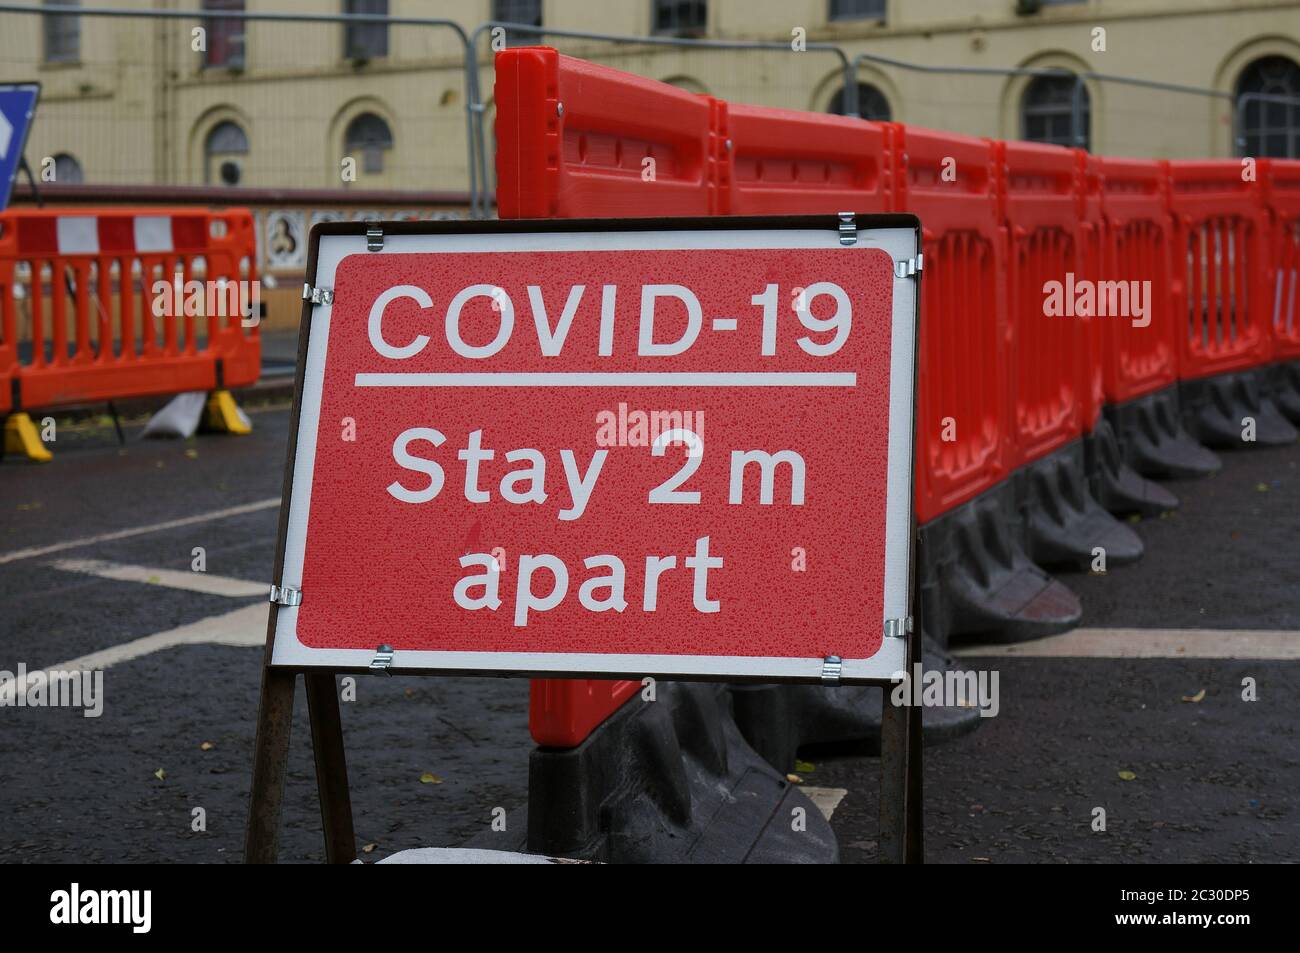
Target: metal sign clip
898, 628
374, 238
382, 661
317, 295
832, 665
286, 596
909, 267
848, 228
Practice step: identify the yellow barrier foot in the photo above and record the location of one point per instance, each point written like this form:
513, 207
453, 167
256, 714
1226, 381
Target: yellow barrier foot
21, 436
222, 413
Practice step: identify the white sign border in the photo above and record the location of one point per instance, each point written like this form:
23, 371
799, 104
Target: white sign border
900, 243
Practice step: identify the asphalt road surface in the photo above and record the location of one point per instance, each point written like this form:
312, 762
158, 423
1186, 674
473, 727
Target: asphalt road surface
96, 551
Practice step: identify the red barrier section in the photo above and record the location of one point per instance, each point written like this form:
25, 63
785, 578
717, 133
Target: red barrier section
1141, 358
1030, 251
572, 140
576, 140
1038, 200
1281, 181
1221, 257
1093, 264
8, 331
963, 443
797, 163
561, 712
85, 283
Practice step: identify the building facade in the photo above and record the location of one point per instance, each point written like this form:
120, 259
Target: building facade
219, 100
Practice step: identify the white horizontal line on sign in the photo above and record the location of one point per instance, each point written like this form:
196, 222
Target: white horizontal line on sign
613, 378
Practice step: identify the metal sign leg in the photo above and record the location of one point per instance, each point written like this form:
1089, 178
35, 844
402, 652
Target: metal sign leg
270, 760
901, 816
331, 767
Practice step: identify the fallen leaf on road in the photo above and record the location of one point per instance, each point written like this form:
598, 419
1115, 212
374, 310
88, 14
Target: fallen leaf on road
428, 778
1195, 698
983, 860
160, 774
192, 453
1262, 487
369, 848
794, 779
206, 746
1127, 776
803, 767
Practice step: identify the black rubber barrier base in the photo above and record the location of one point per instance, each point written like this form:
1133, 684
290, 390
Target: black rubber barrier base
976, 579
1064, 525
1284, 385
1115, 484
667, 781
779, 721
1215, 411
1151, 435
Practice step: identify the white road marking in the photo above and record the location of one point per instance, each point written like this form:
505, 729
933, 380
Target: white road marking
208, 517
171, 578
246, 626
1253, 644
826, 799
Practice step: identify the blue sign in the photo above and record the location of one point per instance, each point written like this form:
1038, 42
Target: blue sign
17, 108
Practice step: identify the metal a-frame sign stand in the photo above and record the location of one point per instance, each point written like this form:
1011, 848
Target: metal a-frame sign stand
901, 742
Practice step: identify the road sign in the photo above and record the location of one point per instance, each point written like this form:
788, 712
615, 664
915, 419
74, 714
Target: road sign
17, 108
666, 447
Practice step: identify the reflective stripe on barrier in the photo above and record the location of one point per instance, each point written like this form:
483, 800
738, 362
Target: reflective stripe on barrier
1038, 200
579, 140
1139, 359
1281, 180
1220, 261
963, 443
86, 284
797, 163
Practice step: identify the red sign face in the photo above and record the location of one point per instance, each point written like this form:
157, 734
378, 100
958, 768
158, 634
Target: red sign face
576, 457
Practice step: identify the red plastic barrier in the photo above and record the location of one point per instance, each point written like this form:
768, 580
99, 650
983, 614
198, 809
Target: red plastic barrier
572, 140
576, 140
1135, 201
1221, 256
562, 711
963, 442
1094, 265
797, 163
87, 280
8, 333
1281, 181
1038, 199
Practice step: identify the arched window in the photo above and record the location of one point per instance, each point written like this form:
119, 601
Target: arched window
222, 152
1046, 112
1268, 127
369, 136
872, 103
67, 170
